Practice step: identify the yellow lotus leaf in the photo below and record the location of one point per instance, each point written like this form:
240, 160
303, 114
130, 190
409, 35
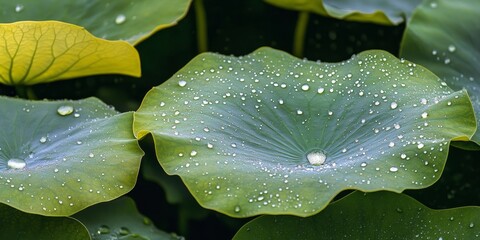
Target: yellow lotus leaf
45, 51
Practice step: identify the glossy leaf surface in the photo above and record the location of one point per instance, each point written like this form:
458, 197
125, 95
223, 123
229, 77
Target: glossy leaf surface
19, 225
41, 52
379, 215
443, 36
59, 157
270, 133
375, 11
128, 20
120, 219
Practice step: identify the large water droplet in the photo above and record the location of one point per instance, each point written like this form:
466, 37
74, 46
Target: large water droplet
316, 157
120, 19
65, 110
237, 209
393, 169
182, 83
305, 87
16, 163
104, 229
19, 8
43, 139
124, 231
393, 105
452, 48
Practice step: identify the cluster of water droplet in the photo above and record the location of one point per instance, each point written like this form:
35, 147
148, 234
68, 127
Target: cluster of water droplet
350, 124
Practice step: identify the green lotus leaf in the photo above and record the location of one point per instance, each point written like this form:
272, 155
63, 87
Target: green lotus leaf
119, 219
59, 157
19, 225
41, 52
268, 133
380, 12
442, 36
379, 215
131, 20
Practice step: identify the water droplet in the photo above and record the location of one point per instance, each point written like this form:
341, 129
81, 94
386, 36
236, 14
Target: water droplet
91, 155
433, 5
43, 139
393, 169
420, 145
424, 115
321, 90
19, 8
237, 209
299, 112
65, 110
471, 225
182, 83
403, 156
305, 87
16, 163
452, 48
120, 19
363, 164
124, 231
104, 229
193, 153
391, 144
316, 157
393, 105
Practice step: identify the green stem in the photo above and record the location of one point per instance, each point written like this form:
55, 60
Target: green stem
25, 92
201, 21
300, 32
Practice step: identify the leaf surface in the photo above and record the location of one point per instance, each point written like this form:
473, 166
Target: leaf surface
129, 20
120, 219
268, 133
442, 36
379, 215
41, 52
59, 157
380, 12
19, 225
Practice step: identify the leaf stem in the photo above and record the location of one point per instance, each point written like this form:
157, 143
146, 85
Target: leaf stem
300, 32
201, 22
25, 92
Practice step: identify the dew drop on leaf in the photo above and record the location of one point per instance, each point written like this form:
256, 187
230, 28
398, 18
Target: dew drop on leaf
104, 229
393, 169
43, 139
120, 19
182, 83
16, 163
65, 110
452, 48
393, 105
316, 157
19, 8
124, 231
